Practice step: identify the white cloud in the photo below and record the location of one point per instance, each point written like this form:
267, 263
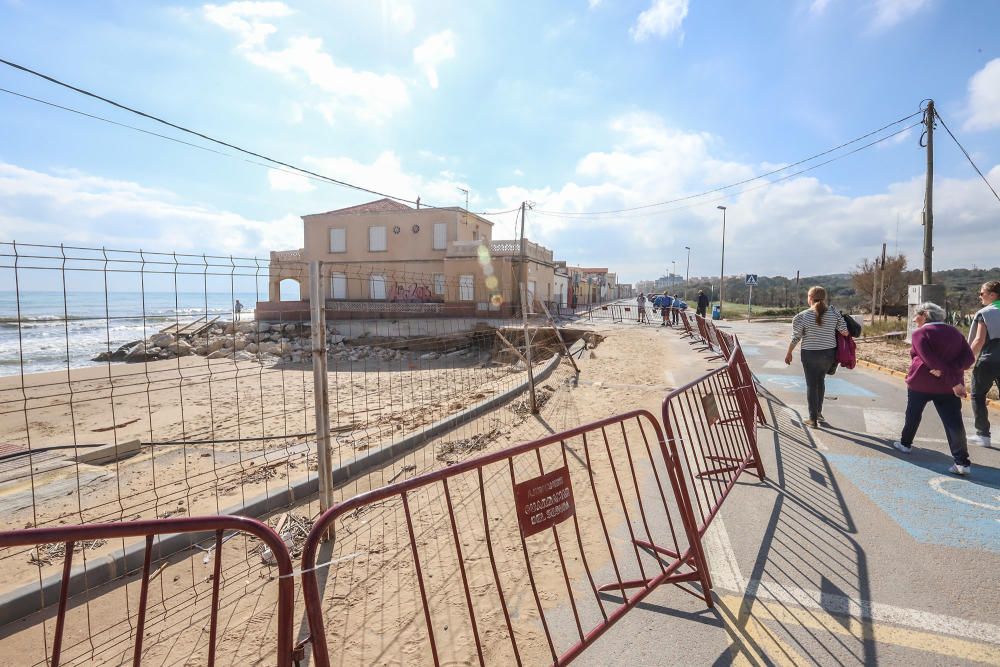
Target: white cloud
367, 95
661, 19
518, 172
983, 107
799, 223
70, 206
889, 13
386, 174
434, 50
244, 19
897, 139
594, 4
401, 15
287, 181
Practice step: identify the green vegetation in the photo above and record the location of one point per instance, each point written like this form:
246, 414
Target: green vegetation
778, 293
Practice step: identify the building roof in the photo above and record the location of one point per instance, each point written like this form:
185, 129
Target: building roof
384, 205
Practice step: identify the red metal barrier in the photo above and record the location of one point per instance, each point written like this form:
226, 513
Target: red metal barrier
103, 625
710, 427
728, 344
501, 558
689, 331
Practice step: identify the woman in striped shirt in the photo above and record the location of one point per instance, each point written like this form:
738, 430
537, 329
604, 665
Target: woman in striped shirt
817, 328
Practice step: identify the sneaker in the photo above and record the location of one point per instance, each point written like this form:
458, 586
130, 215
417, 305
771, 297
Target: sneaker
901, 447
822, 420
980, 440
957, 469
811, 423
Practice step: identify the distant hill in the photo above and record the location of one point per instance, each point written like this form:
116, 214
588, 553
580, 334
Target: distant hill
962, 287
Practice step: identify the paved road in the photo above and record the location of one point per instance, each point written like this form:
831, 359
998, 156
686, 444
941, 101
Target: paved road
848, 553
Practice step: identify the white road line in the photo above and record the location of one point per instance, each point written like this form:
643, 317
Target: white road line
726, 575
721, 557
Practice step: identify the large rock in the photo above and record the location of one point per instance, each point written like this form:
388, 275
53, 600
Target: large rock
181, 348
220, 354
249, 327
137, 353
334, 340
211, 346
161, 340
251, 348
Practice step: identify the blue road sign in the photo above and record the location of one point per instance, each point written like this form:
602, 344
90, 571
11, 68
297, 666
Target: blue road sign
751, 279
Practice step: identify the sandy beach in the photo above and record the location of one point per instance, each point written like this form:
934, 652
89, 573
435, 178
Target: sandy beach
610, 386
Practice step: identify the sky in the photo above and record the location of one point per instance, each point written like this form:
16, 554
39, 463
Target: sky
580, 107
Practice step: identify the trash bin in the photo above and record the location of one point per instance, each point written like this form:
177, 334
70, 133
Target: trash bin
716, 312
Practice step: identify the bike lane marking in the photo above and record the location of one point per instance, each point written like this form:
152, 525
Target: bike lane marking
934, 508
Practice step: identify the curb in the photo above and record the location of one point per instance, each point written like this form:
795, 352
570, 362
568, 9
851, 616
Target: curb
20, 602
990, 403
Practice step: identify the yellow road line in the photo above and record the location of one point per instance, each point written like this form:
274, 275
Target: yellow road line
753, 644
928, 642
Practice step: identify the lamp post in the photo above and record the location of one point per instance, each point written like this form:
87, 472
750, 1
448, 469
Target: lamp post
722, 270
687, 273
673, 280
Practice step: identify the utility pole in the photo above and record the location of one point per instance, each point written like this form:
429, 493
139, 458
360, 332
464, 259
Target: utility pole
875, 289
798, 296
881, 290
524, 314
929, 195
466, 203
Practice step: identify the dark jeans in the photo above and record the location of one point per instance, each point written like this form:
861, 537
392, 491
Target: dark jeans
984, 376
816, 363
949, 408
701, 311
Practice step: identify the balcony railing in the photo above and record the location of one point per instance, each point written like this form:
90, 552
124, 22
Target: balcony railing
500, 249
287, 255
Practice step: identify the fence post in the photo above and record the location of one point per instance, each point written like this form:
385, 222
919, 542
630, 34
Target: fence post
317, 310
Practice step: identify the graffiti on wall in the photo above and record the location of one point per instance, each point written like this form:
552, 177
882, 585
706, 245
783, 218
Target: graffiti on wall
409, 293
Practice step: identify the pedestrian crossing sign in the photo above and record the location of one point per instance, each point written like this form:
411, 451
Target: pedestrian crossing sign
751, 279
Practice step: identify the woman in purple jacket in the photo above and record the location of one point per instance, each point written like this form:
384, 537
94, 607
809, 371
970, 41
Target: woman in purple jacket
939, 356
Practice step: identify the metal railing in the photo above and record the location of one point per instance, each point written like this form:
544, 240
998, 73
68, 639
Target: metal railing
97, 624
513, 555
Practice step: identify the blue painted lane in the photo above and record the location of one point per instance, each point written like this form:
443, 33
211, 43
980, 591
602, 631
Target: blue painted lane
928, 503
834, 385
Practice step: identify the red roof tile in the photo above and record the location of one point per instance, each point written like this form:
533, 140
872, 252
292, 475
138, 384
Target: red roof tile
385, 205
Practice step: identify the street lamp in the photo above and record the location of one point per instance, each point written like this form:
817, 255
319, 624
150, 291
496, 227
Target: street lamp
722, 270
687, 274
673, 273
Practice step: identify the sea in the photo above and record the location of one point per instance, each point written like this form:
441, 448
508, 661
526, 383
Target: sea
46, 331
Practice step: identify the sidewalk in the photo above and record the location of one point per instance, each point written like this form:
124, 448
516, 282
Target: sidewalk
848, 553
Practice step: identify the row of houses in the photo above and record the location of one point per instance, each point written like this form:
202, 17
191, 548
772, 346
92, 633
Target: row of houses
387, 258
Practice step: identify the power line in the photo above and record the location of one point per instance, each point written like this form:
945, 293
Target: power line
295, 169
756, 187
743, 182
967, 156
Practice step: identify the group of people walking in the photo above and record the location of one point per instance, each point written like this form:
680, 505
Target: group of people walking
940, 354
670, 307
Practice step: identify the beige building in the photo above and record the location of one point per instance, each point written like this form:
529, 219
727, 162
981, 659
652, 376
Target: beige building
386, 257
